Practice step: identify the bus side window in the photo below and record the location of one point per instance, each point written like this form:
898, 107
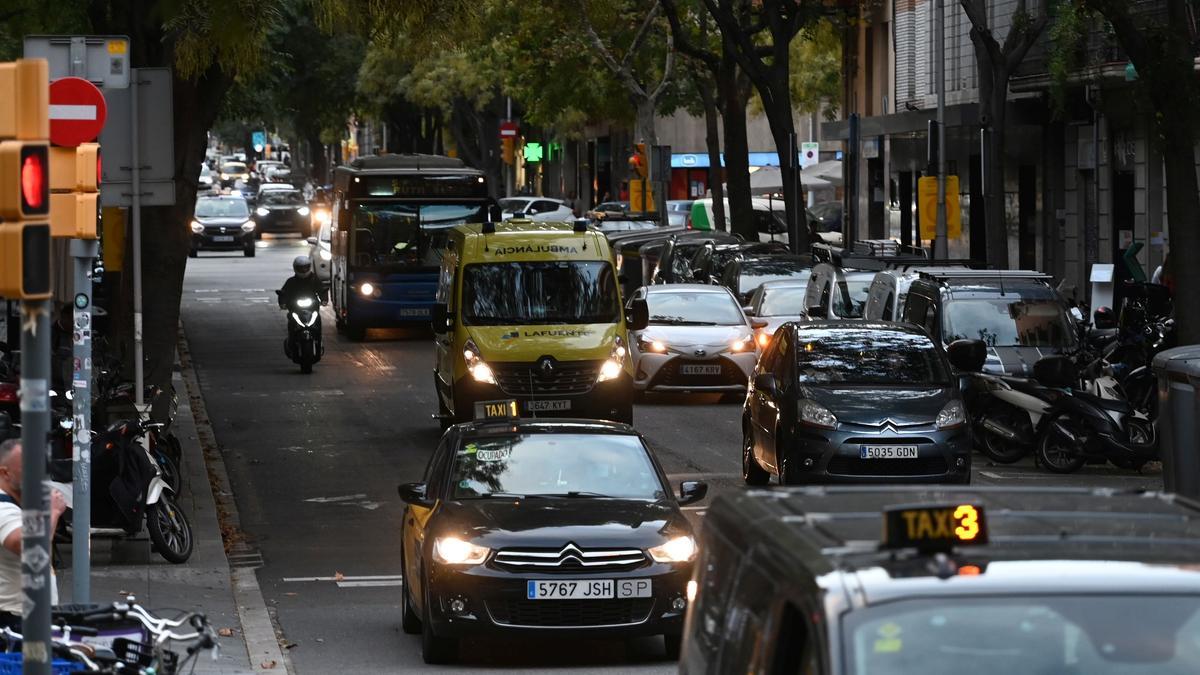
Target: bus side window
796, 649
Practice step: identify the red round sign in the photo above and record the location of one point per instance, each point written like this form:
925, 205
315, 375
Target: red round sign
77, 111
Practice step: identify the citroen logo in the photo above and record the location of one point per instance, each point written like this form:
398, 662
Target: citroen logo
546, 368
700, 352
222, 230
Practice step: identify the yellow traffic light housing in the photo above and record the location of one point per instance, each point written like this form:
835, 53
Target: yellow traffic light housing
639, 164
74, 181
25, 99
25, 261
506, 145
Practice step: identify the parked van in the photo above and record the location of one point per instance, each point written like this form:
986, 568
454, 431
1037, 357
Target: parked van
530, 315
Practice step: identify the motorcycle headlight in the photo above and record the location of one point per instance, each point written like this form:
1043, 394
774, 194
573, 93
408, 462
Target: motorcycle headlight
455, 551
197, 227
304, 303
678, 550
326, 255
479, 370
248, 226
951, 416
303, 210
262, 211
817, 415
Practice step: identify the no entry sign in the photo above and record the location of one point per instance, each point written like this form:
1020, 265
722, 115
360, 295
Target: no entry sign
77, 111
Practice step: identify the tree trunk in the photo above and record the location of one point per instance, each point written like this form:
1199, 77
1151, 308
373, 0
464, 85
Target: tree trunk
734, 92
316, 156
643, 130
712, 138
993, 187
1176, 119
783, 128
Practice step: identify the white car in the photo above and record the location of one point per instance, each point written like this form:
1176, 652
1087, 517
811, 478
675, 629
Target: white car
774, 304
205, 182
834, 293
697, 340
536, 208
321, 253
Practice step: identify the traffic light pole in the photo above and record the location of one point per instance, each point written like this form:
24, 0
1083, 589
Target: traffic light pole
84, 252
35, 514
139, 376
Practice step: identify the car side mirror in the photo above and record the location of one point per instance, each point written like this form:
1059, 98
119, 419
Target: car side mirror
312, 241
815, 312
759, 324
692, 491
414, 493
495, 213
748, 310
439, 318
765, 382
967, 355
639, 315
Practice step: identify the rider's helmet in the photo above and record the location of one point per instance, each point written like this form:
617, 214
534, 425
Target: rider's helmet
302, 265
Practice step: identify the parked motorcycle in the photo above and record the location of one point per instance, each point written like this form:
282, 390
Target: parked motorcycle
1084, 425
1006, 414
303, 344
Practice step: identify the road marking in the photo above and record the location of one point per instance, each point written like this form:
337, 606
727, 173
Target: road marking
333, 500
693, 508
257, 299
206, 290
989, 474
368, 584
343, 578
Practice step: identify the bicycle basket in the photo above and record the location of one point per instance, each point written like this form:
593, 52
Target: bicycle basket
141, 654
12, 664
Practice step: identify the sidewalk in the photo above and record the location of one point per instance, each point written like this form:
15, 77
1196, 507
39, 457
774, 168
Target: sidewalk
120, 567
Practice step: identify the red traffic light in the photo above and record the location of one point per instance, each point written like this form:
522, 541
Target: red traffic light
33, 181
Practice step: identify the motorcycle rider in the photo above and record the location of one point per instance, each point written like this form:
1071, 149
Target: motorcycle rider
304, 283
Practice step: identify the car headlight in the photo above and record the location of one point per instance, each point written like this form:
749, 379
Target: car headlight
951, 416
262, 211
326, 255
197, 227
656, 346
248, 226
366, 288
744, 344
611, 369
817, 415
303, 210
322, 216
678, 550
479, 370
763, 338
455, 551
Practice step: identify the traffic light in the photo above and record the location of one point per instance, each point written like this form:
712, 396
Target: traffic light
24, 180
506, 145
638, 162
74, 186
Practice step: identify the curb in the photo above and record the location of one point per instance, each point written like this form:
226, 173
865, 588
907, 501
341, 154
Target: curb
259, 631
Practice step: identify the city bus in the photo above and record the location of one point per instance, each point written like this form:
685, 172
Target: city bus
390, 217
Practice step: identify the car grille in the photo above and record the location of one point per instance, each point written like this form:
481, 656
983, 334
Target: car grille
569, 558
853, 466
570, 613
531, 379
670, 376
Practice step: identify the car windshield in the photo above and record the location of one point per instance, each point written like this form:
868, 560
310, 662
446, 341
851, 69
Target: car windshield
783, 301
396, 234
222, 208
513, 204
755, 273
556, 465
693, 308
850, 297
233, 167
1042, 634
539, 293
1010, 321
868, 357
282, 198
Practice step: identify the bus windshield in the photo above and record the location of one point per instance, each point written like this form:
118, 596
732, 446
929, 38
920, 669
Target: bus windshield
405, 234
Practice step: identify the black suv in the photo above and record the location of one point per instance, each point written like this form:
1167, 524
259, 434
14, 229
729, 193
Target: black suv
1017, 314
283, 211
222, 223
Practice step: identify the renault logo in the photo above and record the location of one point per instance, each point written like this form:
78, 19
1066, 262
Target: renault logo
546, 368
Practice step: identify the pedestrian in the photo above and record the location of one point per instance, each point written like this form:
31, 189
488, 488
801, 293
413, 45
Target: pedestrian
11, 594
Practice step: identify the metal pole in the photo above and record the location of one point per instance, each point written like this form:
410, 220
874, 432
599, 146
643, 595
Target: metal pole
510, 172
84, 252
941, 248
139, 375
35, 514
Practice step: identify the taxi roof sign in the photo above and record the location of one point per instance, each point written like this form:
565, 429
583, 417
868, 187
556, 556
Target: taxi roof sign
934, 527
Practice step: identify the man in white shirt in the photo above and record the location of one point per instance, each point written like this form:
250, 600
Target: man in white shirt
10, 534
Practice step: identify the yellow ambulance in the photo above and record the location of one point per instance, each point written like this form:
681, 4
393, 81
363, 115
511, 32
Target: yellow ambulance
528, 322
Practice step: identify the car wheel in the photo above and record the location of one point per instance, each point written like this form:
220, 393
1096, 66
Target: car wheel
193, 252
752, 473
248, 251
410, 622
435, 649
673, 643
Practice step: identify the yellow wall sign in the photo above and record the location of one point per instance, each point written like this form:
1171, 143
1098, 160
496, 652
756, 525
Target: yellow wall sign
927, 207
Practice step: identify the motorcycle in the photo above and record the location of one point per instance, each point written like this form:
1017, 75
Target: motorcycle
1090, 422
303, 344
128, 489
1010, 410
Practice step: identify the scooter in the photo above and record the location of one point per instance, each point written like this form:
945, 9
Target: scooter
1092, 422
1009, 412
303, 344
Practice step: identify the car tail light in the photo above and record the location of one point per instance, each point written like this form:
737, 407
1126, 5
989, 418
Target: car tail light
8, 393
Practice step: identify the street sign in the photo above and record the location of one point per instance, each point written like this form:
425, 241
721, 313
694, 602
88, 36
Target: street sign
927, 207
104, 59
508, 129
156, 143
77, 111
259, 140
810, 153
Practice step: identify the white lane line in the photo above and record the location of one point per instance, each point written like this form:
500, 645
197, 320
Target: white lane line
989, 474
334, 500
368, 584
367, 577
693, 508
262, 298
206, 290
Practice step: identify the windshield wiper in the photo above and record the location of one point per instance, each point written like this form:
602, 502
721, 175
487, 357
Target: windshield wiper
574, 494
681, 322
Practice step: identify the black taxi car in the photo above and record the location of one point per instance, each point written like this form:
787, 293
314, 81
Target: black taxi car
527, 527
989, 581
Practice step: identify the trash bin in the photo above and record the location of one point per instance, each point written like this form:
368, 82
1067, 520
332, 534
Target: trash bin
1178, 373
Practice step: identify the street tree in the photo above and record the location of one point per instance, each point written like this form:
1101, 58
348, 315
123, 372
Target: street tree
645, 86
1162, 51
996, 62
